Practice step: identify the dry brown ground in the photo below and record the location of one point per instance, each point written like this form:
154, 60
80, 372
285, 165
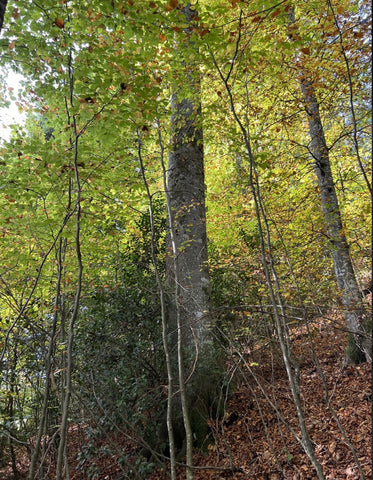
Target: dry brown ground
254, 440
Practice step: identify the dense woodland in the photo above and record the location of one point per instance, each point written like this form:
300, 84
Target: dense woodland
185, 227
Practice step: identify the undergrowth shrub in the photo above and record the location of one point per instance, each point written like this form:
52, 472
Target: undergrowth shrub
119, 358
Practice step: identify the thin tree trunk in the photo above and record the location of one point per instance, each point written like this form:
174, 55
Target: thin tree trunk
48, 369
359, 342
61, 458
13, 393
270, 273
162, 298
351, 99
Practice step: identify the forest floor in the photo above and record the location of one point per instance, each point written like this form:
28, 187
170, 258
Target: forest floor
256, 438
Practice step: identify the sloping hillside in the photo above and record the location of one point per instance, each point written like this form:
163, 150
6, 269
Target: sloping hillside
254, 439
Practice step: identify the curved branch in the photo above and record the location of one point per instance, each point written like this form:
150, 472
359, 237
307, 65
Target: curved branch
351, 98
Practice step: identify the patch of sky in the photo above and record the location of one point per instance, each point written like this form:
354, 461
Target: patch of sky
11, 113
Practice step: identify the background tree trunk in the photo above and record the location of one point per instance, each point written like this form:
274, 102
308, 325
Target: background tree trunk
359, 341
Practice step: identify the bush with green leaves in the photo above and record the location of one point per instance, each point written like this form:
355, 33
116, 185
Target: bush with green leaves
119, 357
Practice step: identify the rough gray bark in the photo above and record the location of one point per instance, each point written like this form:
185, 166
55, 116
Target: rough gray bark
187, 201
187, 268
359, 341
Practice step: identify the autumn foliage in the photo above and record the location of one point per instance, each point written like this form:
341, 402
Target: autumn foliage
86, 244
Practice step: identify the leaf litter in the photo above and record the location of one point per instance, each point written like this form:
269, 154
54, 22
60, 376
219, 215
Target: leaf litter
255, 438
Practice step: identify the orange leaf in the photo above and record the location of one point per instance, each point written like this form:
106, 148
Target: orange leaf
204, 32
59, 22
276, 12
171, 6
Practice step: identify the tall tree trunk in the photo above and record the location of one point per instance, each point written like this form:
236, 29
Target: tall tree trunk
187, 268
359, 341
186, 187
